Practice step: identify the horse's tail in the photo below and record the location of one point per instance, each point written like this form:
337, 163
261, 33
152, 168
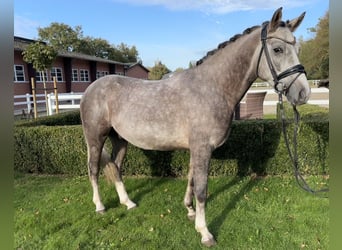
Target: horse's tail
109, 169
105, 158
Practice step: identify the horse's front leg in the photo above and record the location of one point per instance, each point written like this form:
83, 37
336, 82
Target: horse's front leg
199, 161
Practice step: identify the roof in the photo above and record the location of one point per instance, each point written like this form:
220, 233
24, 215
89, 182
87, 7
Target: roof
20, 44
139, 63
87, 57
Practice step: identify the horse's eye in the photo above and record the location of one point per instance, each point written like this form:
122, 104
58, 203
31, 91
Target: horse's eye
278, 50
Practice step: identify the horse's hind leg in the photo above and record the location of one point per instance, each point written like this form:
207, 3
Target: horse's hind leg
189, 195
113, 169
95, 145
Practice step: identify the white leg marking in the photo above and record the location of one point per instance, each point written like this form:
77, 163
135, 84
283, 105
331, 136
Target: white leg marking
100, 208
191, 213
201, 227
123, 196
112, 173
189, 196
188, 203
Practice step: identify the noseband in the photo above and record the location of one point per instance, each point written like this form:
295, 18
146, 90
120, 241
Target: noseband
279, 87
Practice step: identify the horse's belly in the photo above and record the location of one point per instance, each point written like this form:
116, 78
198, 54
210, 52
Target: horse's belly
153, 139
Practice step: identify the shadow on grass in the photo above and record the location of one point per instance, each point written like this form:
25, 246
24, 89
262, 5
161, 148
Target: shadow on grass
146, 188
217, 222
136, 190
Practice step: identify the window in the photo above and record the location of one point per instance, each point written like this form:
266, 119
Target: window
74, 76
19, 73
101, 73
84, 75
39, 76
56, 72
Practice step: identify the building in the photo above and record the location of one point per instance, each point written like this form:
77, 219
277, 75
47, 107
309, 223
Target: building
74, 72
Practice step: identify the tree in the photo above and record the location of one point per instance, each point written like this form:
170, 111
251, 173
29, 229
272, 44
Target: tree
123, 53
41, 56
192, 64
157, 71
61, 36
94, 46
65, 38
314, 53
180, 69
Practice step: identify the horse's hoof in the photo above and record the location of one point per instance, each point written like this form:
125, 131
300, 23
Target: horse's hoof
131, 206
102, 211
208, 242
192, 217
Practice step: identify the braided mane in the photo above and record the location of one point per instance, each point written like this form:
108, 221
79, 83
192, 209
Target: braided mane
224, 44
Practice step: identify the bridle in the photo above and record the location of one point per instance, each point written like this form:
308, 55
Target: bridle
281, 89
278, 85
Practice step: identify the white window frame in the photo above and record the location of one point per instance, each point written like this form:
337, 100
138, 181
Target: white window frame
101, 74
19, 73
39, 76
57, 72
75, 75
84, 75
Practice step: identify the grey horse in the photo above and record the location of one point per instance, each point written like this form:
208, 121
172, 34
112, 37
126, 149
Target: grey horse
191, 110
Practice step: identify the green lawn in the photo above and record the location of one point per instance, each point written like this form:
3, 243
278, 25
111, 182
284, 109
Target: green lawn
54, 212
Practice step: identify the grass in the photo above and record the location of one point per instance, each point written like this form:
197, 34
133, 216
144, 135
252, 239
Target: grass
54, 212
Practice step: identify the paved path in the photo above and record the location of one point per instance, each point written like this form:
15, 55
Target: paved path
319, 96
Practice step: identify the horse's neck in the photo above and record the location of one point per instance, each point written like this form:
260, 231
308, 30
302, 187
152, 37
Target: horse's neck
233, 69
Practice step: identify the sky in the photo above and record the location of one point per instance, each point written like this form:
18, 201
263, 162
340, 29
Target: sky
174, 32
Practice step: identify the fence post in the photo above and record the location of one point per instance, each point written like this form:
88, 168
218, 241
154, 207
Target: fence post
28, 103
34, 98
49, 103
56, 94
45, 92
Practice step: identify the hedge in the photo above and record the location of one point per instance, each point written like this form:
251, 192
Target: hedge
254, 146
62, 119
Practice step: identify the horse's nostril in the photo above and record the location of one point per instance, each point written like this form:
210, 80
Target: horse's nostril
304, 95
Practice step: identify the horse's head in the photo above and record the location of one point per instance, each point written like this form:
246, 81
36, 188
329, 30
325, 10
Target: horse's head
278, 61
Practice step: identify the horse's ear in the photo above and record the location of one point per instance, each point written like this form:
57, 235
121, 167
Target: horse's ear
293, 24
276, 19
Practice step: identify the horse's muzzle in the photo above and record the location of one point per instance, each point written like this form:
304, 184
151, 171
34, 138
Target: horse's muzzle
299, 97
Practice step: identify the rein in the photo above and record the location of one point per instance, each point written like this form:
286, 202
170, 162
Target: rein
293, 154
282, 89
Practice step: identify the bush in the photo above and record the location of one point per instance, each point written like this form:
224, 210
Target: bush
50, 150
253, 146
65, 118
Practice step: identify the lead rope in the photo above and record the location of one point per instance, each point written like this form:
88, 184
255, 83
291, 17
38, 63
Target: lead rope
294, 154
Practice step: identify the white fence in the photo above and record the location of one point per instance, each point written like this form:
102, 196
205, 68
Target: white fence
65, 101
24, 103
72, 101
